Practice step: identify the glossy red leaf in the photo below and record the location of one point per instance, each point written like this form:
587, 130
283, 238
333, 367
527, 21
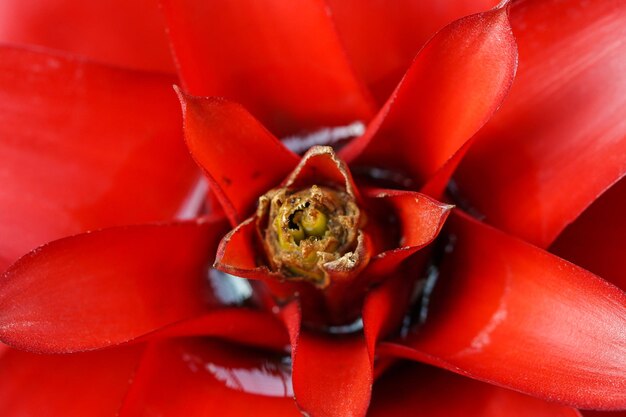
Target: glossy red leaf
382, 38
437, 393
560, 138
595, 241
332, 374
281, 60
509, 313
241, 325
199, 377
240, 157
86, 384
124, 282
127, 33
452, 88
83, 147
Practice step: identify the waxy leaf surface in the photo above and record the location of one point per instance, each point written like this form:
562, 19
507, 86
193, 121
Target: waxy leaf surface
108, 287
282, 60
560, 138
85, 146
509, 313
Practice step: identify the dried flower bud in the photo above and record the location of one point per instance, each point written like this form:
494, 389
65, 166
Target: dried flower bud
309, 228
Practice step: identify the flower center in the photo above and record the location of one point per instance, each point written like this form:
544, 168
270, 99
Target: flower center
309, 228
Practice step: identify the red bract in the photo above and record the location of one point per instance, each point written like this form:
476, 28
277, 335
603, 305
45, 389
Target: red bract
526, 99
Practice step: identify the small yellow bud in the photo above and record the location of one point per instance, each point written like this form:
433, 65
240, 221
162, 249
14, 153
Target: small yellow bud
314, 222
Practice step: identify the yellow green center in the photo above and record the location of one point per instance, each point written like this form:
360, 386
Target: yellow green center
308, 228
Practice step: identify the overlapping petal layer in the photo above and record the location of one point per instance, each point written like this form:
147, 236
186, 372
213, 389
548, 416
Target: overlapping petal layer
185, 378
560, 138
281, 60
108, 287
437, 393
79, 385
237, 253
419, 219
332, 374
509, 313
452, 88
128, 33
504, 311
237, 324
241, 158
385, 307
596, 240
381, 38
84, 146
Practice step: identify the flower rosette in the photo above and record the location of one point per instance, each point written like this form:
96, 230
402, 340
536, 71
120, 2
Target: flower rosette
336, 246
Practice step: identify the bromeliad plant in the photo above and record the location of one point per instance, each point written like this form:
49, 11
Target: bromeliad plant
330, 263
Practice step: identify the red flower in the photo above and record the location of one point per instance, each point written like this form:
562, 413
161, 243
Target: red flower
87, 146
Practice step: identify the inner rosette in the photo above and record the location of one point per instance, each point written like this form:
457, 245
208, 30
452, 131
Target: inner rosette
311, 226
308, 229
317, 239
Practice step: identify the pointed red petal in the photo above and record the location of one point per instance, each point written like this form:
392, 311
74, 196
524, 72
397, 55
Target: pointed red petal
438, 393
420, 219
104, 288
382, 38
320, 165
332, 374
197, 378
438, 183
282, 60
84, 146
595, 240
560, 138
237, 253
240, 157
120, 32
509, 313
87, 384
452, 88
